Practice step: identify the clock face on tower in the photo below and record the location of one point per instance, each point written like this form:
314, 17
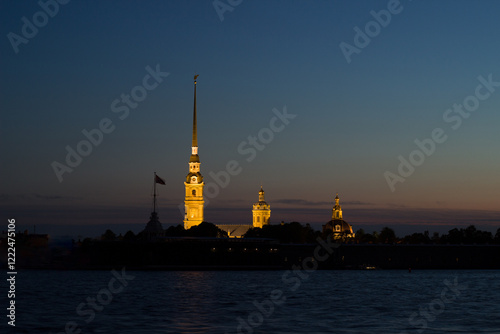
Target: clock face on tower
193, 179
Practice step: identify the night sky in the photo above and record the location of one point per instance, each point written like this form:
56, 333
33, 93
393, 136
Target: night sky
310, 98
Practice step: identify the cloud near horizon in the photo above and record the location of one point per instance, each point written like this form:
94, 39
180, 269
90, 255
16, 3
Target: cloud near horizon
22, 197
296, 201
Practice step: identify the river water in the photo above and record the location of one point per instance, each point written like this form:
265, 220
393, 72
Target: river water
369, 301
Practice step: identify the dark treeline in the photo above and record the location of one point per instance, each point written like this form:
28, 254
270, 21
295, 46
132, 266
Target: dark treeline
277, 246
298, 233
295, 232
286, 233
469, 235
203, 230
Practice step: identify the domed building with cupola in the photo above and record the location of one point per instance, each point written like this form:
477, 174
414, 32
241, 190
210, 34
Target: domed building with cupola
261, 211
337, 226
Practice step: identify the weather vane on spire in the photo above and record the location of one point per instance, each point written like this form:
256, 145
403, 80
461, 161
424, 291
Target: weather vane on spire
196, 76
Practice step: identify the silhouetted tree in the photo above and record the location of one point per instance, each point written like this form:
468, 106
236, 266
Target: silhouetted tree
254, 232
469, 235
417, 238
293, 232
175, 231
480, 237
108, 236
360, 233
387, 236
206, 229
497, 236
311, 234
436, 238
86, 243
129, 236
359, 236
365, 238
454, 236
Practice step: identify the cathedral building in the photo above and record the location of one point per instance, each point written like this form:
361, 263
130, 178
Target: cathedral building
261, 211
193, 201
261, 216
337, 226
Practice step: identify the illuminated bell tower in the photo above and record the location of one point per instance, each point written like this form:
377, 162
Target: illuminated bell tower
337, 210
261, 211
193, 202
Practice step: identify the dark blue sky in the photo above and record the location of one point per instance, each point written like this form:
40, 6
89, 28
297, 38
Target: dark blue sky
353, 119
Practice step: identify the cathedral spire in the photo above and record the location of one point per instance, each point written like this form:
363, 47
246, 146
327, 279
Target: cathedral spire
195, 132
193, 202
194, 145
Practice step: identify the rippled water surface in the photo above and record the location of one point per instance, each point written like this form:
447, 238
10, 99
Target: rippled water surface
259, 302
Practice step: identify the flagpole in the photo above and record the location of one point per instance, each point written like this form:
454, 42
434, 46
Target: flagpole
154, 195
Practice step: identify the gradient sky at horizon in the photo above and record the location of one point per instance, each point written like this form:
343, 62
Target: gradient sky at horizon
353, 119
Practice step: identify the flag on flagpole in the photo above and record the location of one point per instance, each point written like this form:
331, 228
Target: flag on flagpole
159, 180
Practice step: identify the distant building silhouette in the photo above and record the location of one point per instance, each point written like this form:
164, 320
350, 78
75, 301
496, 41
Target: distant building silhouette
337, 226
153, 229
29, 239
